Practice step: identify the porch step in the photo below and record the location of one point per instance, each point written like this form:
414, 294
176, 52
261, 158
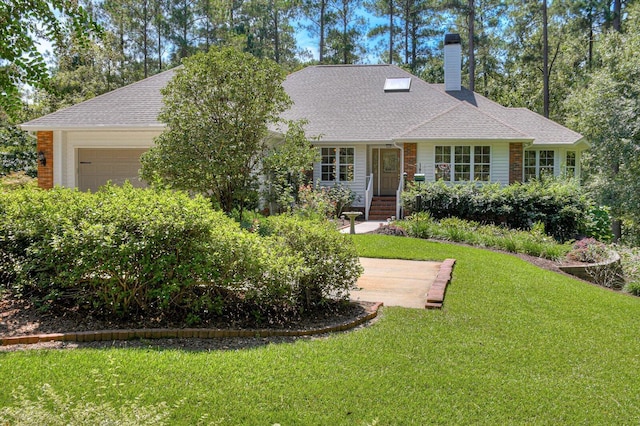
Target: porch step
382, 208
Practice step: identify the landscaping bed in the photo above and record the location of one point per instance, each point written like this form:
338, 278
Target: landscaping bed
18, 317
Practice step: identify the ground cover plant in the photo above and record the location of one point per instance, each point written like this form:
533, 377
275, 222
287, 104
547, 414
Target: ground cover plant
514, 344
534, 242
131, 253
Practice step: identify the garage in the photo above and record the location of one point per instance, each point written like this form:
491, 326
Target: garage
98, 166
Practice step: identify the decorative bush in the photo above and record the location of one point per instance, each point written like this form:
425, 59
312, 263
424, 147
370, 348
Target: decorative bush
331, 264
317, 202
129, 252
560, 205
589, 250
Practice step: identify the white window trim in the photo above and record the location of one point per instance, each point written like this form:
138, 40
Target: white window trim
537, 161
471, 163
337, 170
566, 167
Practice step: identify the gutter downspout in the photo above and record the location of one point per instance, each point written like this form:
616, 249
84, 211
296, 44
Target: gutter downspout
401, 185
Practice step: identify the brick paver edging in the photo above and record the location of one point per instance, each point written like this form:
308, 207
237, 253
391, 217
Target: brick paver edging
182, 333
435, 295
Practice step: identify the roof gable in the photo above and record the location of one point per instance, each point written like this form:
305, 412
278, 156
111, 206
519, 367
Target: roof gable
464, 121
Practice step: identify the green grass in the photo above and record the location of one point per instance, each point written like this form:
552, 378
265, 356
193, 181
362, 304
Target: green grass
514, 344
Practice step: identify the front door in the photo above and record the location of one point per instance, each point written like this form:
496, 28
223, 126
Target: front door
386, 169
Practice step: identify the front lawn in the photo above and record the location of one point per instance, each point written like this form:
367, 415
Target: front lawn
514, 344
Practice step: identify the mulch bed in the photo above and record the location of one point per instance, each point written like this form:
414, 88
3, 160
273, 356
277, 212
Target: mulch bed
19, 317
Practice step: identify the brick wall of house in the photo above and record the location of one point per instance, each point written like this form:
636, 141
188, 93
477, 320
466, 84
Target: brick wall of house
45, 173
410, 160
515, 162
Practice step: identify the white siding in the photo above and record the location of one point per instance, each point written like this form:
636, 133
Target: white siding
500, 163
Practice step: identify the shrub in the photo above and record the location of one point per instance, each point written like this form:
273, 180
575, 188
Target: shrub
341, 197
418, 225
597, 224
633, 288
317, 202
589, 250
313, 203
560, 205
126, 251
630, 261
331, 264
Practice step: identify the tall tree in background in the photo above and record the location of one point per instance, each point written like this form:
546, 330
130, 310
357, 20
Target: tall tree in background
268, 29
182, 27
344, 40
319, 13
607, 112
545, 58
471, 20
386, 32
20, 61
420, 26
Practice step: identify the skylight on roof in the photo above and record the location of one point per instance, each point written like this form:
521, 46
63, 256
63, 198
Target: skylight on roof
397, 84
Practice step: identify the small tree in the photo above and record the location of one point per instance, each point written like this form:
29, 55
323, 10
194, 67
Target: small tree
217, 109
285, 167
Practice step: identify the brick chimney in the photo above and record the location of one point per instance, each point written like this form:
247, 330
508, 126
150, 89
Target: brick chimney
452, 62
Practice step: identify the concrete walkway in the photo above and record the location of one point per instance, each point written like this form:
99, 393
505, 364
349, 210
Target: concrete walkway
396, 282
364, 227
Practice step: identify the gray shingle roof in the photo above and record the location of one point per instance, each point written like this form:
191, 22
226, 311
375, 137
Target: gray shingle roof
463, 121
342, 103
135, 105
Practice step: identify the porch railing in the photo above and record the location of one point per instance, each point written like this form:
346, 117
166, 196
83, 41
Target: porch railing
368, 195
398, 197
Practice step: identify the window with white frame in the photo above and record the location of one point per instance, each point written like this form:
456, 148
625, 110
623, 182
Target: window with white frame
482, 163
538, 164
443, 163
467, 163
337, 164
462, 166
570, 164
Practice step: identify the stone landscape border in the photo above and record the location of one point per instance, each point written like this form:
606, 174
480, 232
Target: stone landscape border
435, 295
371, 311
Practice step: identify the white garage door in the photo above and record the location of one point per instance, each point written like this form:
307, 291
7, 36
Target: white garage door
98, 166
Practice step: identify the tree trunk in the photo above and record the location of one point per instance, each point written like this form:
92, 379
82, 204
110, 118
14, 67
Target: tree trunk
323, 8
391, 31
276, 33
472, 58
616, 224
407, 14
617, 11
145, 37
545, 59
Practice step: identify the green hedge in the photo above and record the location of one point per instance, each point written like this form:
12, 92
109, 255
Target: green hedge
561, 206
127, 251
331, 264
